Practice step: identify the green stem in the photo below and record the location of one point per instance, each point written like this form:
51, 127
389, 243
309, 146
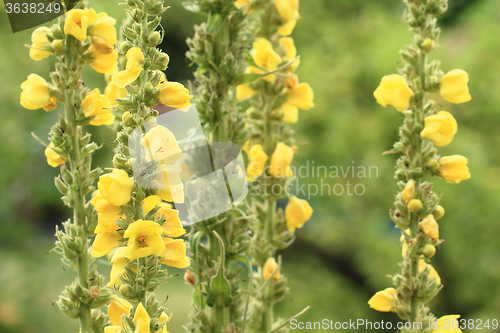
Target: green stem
268, 223
267, 316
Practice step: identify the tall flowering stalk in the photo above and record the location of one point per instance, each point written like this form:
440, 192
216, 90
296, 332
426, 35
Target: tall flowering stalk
275, 98
134, 219
424, 129
219, 245
80, 38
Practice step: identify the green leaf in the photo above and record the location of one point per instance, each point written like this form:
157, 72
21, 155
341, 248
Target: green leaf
215, 21
220, 290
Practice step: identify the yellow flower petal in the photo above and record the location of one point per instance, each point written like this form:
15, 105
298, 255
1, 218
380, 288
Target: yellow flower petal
281, 160
175, 95
453, 87
297, 213
53, 158
116, 308
454, 168
141, 320
144, 239
440, 128
269, 268
383, 301
394, 91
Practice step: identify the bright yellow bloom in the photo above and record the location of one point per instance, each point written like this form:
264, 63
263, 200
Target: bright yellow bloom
445, 324
288, 9
78, 21
36, 94
106, 240
290, 112
175, 253
144, 239
174, 94
297, 212
291, 52
107, 213
134, 67
384, 301
104, 63
161, 145
430, 227
53, 158
116, 308
454, 168
142, 320
163, 320
115, 187
301, 95
286, 29
113, 329
244, 91
394, 91
269, 268
433, 274
408, 191
119, 261
104, 28
174, 188
265, 57
454, 87
257, 162
440, 128
112, 92
97, 106
280, 161
172, 226
150, 202
38, 39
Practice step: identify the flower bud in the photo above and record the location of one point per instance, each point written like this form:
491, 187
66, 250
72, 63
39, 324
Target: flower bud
128, 119
155, 38
58, 45
438, 212
429, 251
428, 45
164, 59
408, 191
415, 205
124, 290
433, 164
125, 46
189, 277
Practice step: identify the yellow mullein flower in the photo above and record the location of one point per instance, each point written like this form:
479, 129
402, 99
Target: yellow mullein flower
288, 9
134, 67
172, 226
297, 212
119, 261
280, 161
290, 112
257, 162
78, 21
141, 320
430, 227
115, 187
445, 324
36, 94
265, 57
433, 274
161, 145
112, 92
53, 158
174, 188
104, 29
453, 87
384, 301
104, 62
144, 239
404, 246
150, 202
106, 240
175, 253
38, 39
301, 95
408, 191
163, 321
440, 128
174, 94
116, 308
394, 91
97, 106
244, 91
241, 3
291, 52
107, 213
286, 29
113, 329
269, 268
454, 168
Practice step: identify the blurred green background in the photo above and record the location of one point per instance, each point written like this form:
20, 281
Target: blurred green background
343, 254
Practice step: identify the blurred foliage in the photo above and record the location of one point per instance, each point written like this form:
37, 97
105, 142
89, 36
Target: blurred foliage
343, 254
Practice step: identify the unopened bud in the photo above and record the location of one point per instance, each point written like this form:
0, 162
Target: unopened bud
125, 46
164, 59
124, 290
433, 164
155, 37
428, 45
128, 119
415, 205
429, 251
189, 277
58, 45
438, 212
